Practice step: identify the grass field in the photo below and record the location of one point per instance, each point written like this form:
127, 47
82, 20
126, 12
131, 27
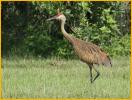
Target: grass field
60, 78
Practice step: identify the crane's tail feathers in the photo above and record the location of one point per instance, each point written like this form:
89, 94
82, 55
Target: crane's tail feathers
107, 62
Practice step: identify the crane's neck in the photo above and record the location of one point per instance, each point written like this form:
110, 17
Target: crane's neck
66, 35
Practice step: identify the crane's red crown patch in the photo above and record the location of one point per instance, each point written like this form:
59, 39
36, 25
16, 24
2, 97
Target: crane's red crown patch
59, 14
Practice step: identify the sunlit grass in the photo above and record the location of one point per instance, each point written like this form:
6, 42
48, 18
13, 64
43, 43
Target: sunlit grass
60, 78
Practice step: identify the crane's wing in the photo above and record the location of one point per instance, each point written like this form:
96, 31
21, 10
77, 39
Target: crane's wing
91, 53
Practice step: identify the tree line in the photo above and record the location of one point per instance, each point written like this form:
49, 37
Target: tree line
25, 31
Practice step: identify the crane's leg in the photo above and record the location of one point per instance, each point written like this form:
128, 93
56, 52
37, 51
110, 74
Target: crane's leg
90, 67
96, 75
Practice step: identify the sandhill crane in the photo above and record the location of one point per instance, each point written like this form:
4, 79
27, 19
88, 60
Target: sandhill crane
88, 52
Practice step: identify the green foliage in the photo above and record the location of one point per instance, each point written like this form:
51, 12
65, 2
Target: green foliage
123, 47
30, 33
63, 49
37, 44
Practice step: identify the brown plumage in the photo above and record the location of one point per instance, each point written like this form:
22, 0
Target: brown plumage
86, 51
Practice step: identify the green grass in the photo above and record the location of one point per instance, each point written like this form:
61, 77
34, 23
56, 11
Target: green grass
59, 78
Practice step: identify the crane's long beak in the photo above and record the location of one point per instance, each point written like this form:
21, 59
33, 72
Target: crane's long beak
52, 18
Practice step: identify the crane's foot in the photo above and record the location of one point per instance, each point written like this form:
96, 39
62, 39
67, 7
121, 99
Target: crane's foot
90, 67
91, 78
96, 77
91, 81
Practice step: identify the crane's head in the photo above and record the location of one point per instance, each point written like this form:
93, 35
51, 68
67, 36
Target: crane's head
58, 16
